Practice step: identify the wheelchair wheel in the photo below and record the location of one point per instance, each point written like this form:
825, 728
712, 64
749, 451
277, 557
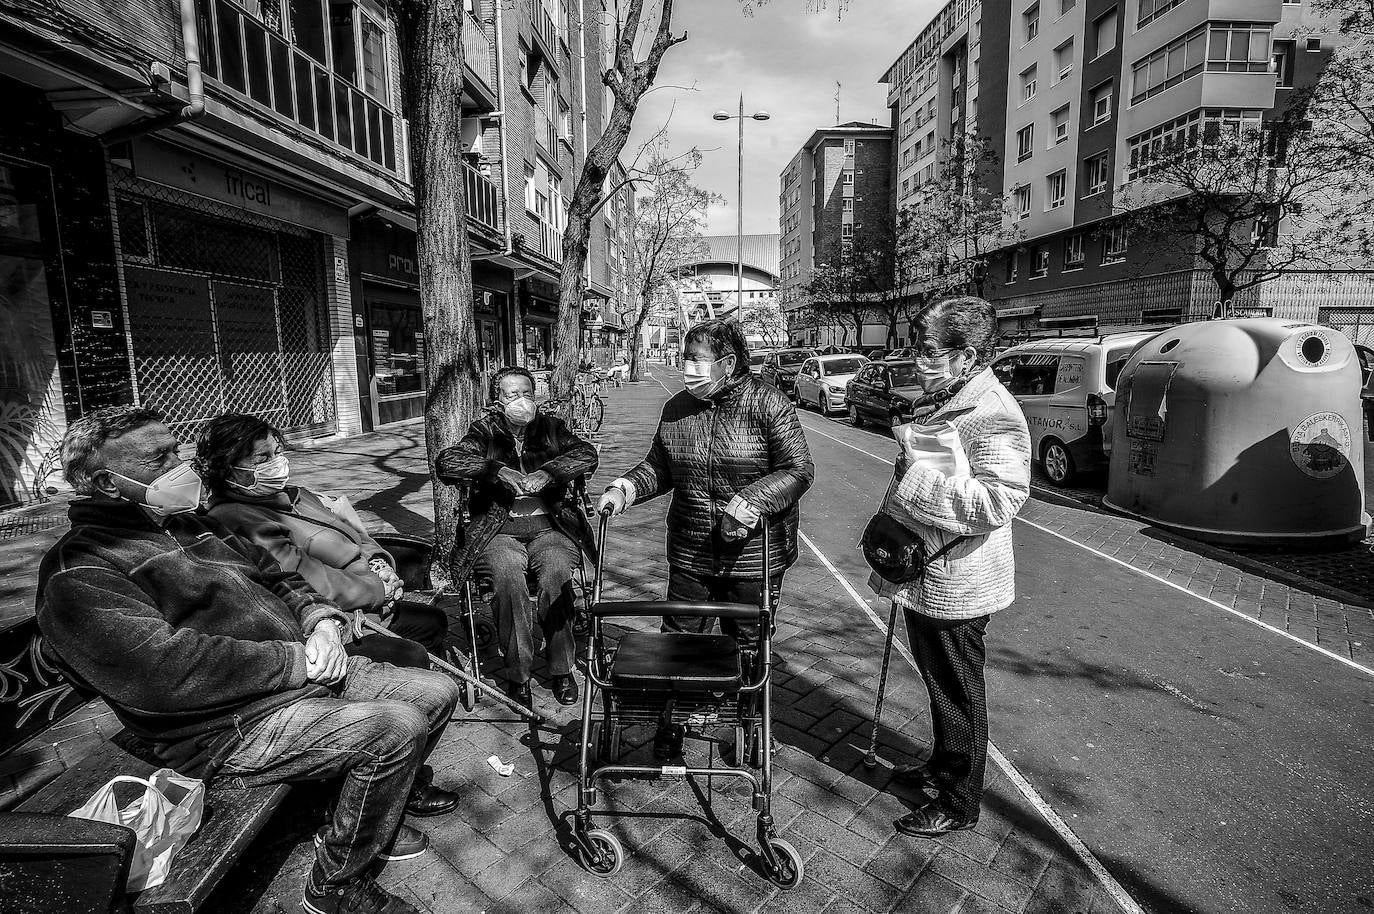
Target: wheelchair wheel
609, 856
486, 633
790, 869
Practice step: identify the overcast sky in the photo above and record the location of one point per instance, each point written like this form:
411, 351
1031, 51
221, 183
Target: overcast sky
786, 61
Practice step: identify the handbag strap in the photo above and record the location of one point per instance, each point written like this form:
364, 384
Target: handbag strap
940, 553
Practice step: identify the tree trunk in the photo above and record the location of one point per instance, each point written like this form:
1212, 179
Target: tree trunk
434, 83
892, 330
636, 335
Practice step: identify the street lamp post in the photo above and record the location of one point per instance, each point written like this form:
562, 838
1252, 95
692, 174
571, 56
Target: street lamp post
723, 115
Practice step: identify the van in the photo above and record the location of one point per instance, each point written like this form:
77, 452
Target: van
1067, 387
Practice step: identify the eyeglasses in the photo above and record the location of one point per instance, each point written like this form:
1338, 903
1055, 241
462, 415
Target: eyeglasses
930, 352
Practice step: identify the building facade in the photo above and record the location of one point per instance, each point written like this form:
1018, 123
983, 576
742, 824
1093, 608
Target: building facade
259, 256
837, 189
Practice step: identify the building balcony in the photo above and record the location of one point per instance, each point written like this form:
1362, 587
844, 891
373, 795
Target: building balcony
545, 29
550, 242
479, 56
483, 204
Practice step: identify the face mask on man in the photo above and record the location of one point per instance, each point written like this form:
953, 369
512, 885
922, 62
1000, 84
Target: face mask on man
269, 478
174, 492
701, 376
520, 411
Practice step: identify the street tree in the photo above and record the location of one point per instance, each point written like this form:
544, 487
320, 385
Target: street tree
766, 321
1247, 202
1341, 103
843, 286
628, 78
664, 237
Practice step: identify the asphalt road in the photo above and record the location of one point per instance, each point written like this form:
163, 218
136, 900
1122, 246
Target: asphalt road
1210, 765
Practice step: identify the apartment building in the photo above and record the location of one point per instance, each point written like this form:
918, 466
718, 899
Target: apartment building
1094, 84
259, 255
835, 189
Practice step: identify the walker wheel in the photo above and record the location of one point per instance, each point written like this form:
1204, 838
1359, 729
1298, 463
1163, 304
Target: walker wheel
469, 697
790, 871
609, 856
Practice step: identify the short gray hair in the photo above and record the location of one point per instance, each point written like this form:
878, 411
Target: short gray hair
87, 435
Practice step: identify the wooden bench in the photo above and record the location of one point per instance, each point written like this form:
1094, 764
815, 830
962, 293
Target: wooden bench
51, 863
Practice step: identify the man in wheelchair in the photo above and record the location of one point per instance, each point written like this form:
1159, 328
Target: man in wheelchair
520, 465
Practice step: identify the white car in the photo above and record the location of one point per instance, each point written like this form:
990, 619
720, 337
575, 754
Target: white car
822, 380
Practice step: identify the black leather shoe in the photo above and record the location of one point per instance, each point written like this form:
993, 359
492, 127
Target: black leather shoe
930, 821
428, 800
520, 692
564, 688
917, 776
668, 742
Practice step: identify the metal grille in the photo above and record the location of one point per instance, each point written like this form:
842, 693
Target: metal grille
1356, 323
226, 311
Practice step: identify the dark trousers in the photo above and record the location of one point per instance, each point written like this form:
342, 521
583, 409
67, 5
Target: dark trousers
504, 568
950, 654
699, 588
374, 735
423, 630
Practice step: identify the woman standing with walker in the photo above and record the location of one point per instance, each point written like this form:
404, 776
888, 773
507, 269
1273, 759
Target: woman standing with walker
947, 608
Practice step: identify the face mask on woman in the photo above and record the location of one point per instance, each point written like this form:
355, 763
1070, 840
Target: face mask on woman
269, 478
932, 373
174, 492
520, 411
701, 376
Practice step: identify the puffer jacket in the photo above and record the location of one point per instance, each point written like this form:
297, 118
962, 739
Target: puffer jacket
746, 441
978, 575
480, 456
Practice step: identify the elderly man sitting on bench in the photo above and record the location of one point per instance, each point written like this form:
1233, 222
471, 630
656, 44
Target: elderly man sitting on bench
228, 666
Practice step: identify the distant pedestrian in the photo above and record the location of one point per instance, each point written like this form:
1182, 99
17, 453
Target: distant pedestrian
947, 609
732, 452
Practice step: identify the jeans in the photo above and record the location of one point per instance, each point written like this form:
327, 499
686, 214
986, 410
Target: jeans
950, 653
423, 629
374, 735
503, 568
698, 588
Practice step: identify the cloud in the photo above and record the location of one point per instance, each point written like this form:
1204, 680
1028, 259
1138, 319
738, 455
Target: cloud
786, 61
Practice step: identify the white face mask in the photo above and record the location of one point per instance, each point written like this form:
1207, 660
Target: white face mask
521, 410
699, 376
932, 372
174, 492
268, 478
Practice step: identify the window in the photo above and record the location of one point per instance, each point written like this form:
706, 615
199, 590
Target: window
1170, 65
1059, 125
1066, 5
1073, 252
1265, 233
1097, 174
1032, 374
1013, 267
847, 178
1023, 201
1186, 132
1027, 85
374, 60
530, 202
1063, 59
1057, 186
1314, 45
1025, 142
307, 25
847, 230
1040, 262
848, 205
1114, 245
1030, 21
849, 147
1150, 10
1239, 47
1103, 34
1283, 64
341, 25
1101, 101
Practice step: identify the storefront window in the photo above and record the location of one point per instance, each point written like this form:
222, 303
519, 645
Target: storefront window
538, 345
398, 349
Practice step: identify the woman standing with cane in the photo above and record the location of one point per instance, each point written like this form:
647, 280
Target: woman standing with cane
948, 607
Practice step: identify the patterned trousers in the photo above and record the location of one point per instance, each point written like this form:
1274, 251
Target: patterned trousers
950, 654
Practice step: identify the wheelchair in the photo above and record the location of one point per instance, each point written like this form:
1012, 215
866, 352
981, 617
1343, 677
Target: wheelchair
414, 554
699, 681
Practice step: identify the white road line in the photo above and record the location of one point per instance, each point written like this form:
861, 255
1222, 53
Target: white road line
1061, 828
1208, 600
1124, 564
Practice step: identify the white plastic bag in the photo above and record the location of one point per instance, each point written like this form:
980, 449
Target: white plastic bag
938, 447
163, 817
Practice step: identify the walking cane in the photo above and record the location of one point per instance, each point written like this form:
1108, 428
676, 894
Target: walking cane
871, 759
451, 669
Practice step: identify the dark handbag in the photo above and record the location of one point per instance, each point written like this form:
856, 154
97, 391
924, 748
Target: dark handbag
896, 553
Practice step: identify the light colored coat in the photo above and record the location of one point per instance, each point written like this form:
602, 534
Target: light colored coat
976, 577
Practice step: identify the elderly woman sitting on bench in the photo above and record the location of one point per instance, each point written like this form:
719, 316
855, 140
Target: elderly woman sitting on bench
520, 464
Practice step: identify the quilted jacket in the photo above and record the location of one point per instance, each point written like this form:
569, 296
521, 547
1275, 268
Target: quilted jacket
489, 446
977, 576
747, 441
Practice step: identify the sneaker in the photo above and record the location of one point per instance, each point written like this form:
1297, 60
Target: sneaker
409, 842
362, 896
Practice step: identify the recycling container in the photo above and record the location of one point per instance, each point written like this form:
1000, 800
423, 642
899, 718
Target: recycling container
1242, 432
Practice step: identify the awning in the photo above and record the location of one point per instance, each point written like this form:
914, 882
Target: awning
1018, 312
1076, 319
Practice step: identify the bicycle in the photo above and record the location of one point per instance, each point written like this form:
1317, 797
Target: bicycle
584, 414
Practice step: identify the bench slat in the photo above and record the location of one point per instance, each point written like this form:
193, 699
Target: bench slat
233, 817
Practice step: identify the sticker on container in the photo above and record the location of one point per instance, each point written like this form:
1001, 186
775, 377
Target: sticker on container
1320, 445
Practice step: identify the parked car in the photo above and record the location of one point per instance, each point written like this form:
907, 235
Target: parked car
901, 355
823, 380
875, 353
781, 367
1066, 388
882, 392
833, 350
1367, 389
756, 360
